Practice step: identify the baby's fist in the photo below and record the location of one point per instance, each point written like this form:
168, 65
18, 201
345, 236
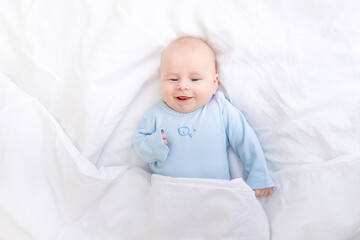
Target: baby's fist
263, 192
164, 137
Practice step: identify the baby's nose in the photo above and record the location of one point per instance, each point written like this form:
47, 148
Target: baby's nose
183, 84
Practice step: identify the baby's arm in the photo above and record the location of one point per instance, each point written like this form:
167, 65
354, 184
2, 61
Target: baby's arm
245, 143
150, 144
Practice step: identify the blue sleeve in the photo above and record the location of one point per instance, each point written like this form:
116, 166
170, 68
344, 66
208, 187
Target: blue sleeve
149, 144
245, 143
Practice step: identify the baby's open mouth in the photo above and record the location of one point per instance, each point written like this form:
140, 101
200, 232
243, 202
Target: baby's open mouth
183, 98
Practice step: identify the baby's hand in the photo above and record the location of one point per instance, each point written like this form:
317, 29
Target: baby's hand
164, 138
263, 192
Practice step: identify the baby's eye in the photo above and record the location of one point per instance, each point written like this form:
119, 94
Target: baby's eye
194, 79
173, 79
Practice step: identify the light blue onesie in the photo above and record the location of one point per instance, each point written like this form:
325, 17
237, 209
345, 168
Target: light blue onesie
198, 142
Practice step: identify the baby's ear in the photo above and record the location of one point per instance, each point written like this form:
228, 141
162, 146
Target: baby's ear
216, 82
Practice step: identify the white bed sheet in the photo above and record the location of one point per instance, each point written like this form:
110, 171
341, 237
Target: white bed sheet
77, 76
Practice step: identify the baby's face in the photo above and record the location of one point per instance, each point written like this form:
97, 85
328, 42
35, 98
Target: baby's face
188, 75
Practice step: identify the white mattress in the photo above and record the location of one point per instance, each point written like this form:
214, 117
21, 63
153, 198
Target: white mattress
77, 76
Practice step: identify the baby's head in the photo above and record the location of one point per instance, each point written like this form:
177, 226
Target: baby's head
188, 74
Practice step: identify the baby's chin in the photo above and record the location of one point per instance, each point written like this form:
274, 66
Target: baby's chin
185, 109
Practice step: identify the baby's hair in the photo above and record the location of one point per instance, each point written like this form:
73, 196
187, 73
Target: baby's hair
199, 39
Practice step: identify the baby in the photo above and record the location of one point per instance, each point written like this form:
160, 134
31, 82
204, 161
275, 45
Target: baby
188, 134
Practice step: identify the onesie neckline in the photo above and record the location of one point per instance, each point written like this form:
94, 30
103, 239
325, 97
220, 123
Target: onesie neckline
165, 107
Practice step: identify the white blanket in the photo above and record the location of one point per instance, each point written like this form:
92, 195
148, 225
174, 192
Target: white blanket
77, 76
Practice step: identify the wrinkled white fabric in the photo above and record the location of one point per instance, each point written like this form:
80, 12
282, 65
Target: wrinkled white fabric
77, 76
